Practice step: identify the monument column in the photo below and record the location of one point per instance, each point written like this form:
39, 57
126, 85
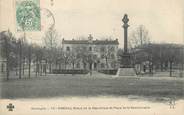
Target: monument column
126, 67
125, 26
126, 59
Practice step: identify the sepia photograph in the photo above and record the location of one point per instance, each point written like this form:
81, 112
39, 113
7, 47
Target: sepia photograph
92, 57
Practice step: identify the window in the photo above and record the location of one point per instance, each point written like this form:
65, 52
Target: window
95, 56
112, 49
102, 56
67, 48
102, 49
95, 49
102, 65
78, 65
112, 56
90, 48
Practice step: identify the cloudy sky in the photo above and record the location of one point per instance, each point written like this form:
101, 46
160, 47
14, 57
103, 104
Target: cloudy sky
101, 18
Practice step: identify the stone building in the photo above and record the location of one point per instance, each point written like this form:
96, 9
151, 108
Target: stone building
91, 54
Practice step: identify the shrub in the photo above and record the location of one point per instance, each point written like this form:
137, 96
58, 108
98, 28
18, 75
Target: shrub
110, 72
69, 71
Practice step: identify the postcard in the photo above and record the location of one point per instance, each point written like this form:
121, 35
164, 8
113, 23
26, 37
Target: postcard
91, 57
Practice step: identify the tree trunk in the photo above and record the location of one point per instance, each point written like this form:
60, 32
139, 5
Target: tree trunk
59, 66
182, 69
37, 68
20, 60
29, 71
7, 59
23, 67
106, 63
73, 65
16, 69
182, 64
150, 68
65, 64
44, 69
50, 68
56, 65
170, 68
90, 66
7, 68
46, 66
41, 69
161, 67
84, 66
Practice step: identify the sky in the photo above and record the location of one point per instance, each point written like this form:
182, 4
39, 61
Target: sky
164, 19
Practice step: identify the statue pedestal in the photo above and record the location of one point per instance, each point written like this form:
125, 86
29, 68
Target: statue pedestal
125, 72
126, 68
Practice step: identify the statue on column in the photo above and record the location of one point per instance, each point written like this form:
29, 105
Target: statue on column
126, 66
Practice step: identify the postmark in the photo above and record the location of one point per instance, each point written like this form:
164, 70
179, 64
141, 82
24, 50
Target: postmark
47, 19
28, 15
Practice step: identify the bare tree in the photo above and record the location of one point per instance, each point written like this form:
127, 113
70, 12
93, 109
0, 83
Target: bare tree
29, 59
5, 52
37, 54
139, 37
65, 58
109, 54
8, 50
73, 59
27, 51
50, 40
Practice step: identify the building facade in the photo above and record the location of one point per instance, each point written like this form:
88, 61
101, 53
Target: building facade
90, 54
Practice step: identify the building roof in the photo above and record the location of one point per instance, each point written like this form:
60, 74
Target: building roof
96, 42
91, 41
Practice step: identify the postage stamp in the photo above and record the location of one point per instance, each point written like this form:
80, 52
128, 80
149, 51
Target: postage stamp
28, 15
